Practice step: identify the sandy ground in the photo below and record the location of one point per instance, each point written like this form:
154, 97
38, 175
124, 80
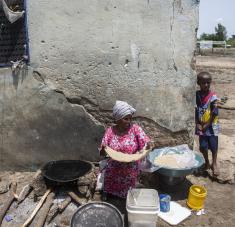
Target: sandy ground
222, 69
219, 205
220, 201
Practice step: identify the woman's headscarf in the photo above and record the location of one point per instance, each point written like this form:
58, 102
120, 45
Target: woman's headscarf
122, 109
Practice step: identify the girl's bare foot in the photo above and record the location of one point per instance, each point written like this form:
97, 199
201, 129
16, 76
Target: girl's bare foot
215, 170
207, 166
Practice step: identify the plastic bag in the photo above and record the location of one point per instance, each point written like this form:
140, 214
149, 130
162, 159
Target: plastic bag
11, 15
185, 158
100, 181
100, 177
147, 166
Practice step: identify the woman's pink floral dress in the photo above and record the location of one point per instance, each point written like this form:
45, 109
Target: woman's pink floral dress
119, 177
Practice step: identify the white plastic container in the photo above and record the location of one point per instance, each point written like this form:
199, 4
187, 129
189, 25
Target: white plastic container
142, 206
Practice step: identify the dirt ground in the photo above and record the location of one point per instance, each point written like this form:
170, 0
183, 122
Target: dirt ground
220, 201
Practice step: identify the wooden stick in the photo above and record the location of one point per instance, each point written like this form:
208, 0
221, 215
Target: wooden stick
12, 196
36, 175
64, 204
27, 222
45, 209
76, 198
24, 193
58, 208
28, 188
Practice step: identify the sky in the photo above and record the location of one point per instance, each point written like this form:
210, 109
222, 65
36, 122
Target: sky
212, 12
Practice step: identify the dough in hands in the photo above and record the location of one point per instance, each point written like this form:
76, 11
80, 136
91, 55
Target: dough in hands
122, 157
170, 161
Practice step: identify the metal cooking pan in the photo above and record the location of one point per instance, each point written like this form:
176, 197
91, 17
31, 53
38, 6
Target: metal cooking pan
66, 170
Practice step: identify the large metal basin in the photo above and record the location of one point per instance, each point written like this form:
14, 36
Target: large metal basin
66, 170
173, 172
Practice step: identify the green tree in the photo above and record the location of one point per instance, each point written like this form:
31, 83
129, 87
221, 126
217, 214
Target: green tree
206, 36
220, 32
231, 41
219, 35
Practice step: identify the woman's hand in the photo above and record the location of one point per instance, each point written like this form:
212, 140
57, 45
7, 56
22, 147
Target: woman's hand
102, 150
150, 145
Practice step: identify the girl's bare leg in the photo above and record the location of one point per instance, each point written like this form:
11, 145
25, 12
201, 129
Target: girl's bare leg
215, 169
205, 155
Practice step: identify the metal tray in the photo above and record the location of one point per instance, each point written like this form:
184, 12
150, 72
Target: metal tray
97, 214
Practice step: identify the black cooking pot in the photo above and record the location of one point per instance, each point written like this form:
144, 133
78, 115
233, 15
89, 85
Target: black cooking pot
99, 214
63, 171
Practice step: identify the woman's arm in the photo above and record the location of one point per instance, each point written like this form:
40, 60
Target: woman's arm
104, 142
142, 139
102, 150
150, 145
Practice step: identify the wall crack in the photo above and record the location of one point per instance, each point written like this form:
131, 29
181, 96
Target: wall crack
159, 134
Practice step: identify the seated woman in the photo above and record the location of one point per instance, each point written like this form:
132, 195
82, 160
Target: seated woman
127, 138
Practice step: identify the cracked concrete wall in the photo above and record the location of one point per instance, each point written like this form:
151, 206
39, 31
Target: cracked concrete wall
86, 56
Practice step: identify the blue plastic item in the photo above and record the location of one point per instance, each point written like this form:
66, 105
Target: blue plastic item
8, 218
164, 202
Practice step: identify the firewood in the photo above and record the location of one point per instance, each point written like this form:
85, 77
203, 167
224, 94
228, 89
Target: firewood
34, 184
24, 193
58, 208
64, 204
45, 209
27, 222
11, 197
75, 197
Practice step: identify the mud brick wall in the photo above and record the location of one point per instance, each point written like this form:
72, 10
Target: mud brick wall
83, 57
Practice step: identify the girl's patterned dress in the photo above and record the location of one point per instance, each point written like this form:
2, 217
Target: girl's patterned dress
119, 177
205, 107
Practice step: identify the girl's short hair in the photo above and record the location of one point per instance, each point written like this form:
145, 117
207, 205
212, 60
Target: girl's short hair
203, 75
